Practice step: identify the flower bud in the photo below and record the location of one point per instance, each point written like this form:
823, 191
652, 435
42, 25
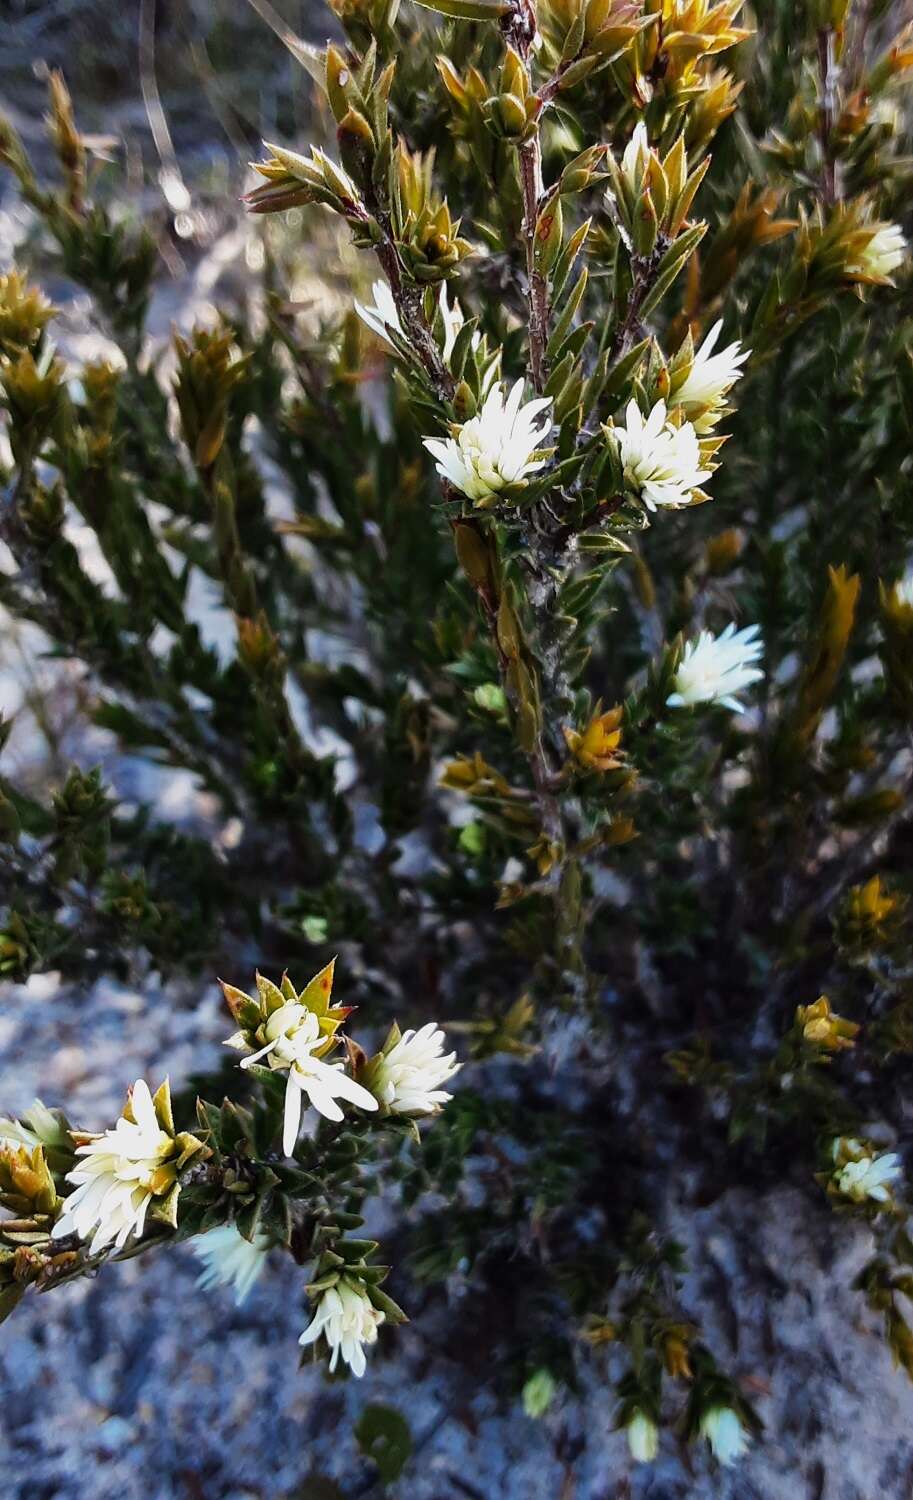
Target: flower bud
822, 1028
643, 1437
594, 747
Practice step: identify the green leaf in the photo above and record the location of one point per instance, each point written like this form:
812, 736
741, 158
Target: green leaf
10, 1297
621, 373
671, 264
383, 1435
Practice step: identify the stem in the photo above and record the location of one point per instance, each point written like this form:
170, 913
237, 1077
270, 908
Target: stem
408, 299
591, 520
12, 531
219, 482
521, 28
542, 774
530, 154
555, 689
857, 55
549, 806
829, 74
629, 330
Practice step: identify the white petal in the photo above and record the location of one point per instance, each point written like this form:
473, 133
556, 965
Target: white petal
143, 1108
292, 1116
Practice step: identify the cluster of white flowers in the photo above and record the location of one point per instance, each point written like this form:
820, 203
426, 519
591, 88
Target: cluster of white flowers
230, 1260
704, 390
662, 462
344, 1315
348, 1320
409, 1076
121, 1171
882, 255
714, 668
723, 1429
861, 1174
497, 447
293, 1036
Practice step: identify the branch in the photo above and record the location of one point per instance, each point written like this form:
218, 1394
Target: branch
591, 520
630, 330
542, 774
530, 153
829, 74
408, 299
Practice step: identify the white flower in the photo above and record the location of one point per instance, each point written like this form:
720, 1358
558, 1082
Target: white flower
348, 1321
709, 380
14, 1134
453, 321
864, 1175
383, 319
383, 316
725, 1434
495, 448
292, 1035
660, 461
903, 589
882, 255
643, 1438
885, 112
714, 668
408, 1078
230, 1260
635, 155
120, 1172
539, 1393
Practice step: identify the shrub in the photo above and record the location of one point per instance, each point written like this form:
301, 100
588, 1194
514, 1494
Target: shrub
610, 782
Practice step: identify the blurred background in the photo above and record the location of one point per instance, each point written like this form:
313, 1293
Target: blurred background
146, 1389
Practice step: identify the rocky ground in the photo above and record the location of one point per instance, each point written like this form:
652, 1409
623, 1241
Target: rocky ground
139, 1387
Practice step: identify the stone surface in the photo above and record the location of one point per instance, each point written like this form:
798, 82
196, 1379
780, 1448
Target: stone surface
136, 1386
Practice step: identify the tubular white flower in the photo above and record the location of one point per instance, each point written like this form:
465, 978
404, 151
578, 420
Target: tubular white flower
710, 379
865, 1175
230, 1260
293, 1034
408, 1078
121, 1171
882, 255
903, 589
496, 447
643, 1438
714, 669
661, 462
14, 1134
725, 1434
453, 321
383, 317
384, 314
635, 155
348, 1321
